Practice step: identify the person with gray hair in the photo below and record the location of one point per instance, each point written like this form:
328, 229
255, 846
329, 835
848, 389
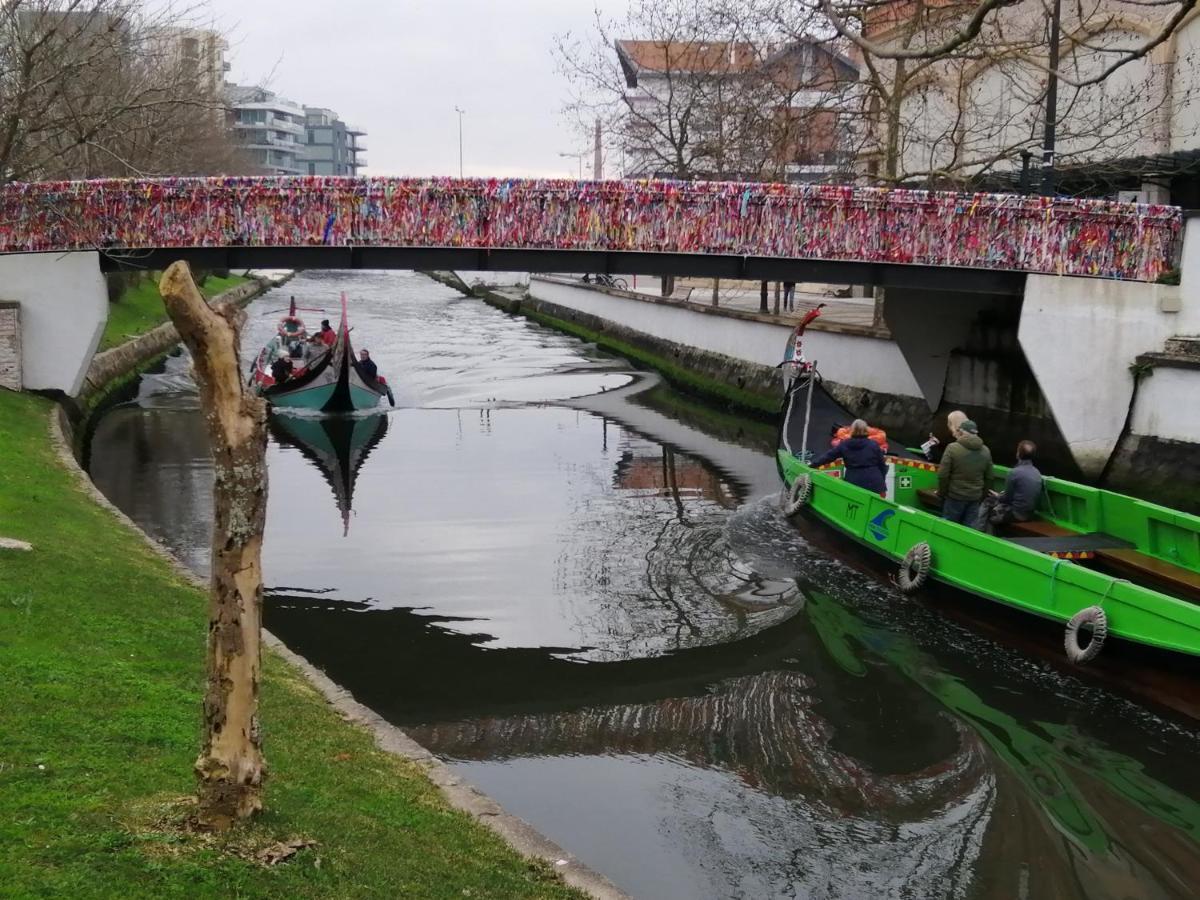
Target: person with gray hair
965, 475
863, 459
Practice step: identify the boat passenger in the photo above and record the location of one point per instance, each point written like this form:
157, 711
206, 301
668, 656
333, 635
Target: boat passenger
327, 335
863, 458
933, 448
1021, 489
367, 367
281, 369
964, 475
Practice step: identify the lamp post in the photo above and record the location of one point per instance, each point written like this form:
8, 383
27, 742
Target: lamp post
578, 156
1051, 105
460, 163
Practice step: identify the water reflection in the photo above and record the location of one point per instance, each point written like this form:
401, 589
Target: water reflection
336, 445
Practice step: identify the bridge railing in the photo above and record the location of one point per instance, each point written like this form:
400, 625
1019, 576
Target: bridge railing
874, 225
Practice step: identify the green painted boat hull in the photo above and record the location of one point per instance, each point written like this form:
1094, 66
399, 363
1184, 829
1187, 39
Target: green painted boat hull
996, 569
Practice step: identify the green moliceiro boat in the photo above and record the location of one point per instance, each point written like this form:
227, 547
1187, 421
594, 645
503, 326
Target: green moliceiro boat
1094, 560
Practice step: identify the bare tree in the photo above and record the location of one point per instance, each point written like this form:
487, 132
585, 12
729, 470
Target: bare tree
699, 90
101, 87
954, 89
230, 767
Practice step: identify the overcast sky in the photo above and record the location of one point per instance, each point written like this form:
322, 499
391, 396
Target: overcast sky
397, 69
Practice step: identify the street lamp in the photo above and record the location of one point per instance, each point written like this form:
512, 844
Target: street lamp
1051, 105
578, 156
460, 112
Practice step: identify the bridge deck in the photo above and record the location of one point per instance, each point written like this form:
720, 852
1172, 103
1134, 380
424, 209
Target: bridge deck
827, 233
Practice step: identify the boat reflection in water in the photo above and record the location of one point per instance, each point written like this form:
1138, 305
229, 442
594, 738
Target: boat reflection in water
337, 445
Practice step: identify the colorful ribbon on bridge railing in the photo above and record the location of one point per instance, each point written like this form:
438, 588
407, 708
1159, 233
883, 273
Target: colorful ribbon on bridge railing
989, 231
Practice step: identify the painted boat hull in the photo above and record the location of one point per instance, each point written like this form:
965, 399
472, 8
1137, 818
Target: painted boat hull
331, 382
997, 569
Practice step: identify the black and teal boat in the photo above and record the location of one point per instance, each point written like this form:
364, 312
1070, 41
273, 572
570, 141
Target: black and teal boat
320, 377
1098, 562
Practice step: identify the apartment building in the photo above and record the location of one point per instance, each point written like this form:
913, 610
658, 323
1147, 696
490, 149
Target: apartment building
270, 128
331, 146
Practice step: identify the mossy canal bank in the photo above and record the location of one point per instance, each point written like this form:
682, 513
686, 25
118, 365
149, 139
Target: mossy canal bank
103, 649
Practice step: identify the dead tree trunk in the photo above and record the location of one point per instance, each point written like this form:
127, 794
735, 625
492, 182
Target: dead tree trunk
230, 766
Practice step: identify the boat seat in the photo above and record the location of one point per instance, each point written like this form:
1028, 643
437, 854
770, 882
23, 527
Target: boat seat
929, 497
1038, 528
1155, 573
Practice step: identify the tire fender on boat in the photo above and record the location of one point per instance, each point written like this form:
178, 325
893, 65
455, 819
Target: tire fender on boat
914, 568
799, 495
1094, 617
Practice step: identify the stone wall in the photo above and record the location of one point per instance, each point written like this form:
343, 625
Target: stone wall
10, 346
109, 366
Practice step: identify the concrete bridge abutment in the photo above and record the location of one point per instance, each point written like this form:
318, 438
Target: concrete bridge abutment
1082, 338
62, 309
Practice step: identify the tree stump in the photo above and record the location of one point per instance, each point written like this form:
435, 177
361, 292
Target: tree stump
230, 767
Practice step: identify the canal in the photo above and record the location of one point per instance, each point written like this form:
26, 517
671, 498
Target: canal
575, 586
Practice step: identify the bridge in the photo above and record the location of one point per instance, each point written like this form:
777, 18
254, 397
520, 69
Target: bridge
834, 234
943, 257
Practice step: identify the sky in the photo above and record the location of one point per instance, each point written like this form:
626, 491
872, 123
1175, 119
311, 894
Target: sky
397, 69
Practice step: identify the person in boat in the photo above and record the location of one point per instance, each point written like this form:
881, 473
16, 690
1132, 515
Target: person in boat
367, 367
844, 432
281, 369
964, 475
1021, 490
862, 456
934, 448
326, 335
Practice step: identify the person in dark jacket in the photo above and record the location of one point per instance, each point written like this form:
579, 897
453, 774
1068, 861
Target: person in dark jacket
965, 476
863, 459
367, 367
1021, 489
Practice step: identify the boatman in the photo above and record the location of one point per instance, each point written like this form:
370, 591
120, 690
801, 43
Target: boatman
965, 475
366, 366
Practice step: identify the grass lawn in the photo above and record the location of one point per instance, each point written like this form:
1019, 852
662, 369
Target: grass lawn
140, 308
101, 655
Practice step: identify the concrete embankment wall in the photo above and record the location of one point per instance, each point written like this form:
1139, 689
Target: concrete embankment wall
730, 355
107, 368
863, 367
736, 350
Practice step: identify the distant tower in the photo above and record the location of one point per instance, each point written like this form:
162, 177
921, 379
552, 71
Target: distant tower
597, 161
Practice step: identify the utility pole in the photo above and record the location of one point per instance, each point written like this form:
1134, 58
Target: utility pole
460, 155
597, 158
1051, 105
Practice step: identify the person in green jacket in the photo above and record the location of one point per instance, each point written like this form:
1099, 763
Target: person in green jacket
965, 475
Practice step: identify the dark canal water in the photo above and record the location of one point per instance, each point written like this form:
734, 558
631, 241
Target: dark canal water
575, 586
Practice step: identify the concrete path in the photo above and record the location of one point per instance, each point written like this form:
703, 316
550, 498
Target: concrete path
744, 296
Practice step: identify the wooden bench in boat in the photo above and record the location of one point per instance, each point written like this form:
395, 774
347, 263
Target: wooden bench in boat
1154, 573
1122, 560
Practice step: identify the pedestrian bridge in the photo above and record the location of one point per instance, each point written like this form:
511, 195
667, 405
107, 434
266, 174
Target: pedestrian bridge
836, 234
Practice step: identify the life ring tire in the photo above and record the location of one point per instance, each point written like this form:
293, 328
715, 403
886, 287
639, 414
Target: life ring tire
1092, 616
799, 495
914, 568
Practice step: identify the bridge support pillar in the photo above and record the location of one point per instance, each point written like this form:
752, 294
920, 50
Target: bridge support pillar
63, 309
927, 326
1082, 338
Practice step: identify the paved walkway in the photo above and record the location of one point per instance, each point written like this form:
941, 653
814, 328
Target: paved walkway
744, 296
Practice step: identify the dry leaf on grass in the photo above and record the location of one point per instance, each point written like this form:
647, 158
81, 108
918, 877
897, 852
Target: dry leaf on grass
282, 851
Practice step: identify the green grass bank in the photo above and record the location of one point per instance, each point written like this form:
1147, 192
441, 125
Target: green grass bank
101, 658
140, 308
